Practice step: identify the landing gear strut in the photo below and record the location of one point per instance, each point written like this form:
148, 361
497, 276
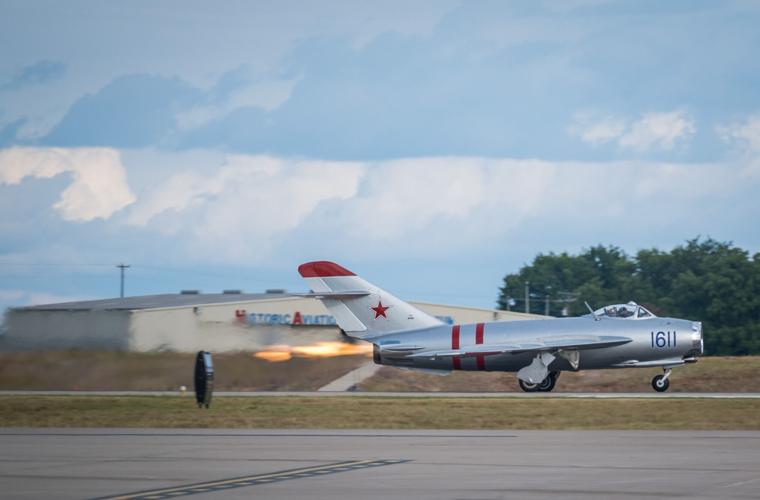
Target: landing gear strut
546, 385
660, 383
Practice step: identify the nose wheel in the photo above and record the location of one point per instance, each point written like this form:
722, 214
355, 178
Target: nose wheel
660, 383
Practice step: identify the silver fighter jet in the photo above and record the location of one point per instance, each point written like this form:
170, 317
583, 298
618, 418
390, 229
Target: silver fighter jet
618, 336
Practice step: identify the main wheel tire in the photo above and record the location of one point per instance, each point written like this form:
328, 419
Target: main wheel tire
660, 383
527, 386
547, 385
554, 376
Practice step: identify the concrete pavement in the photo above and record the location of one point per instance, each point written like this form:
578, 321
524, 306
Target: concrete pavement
334, 464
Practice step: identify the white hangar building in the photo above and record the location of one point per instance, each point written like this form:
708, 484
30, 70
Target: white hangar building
192, 321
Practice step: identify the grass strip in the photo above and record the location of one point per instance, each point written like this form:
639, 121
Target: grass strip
380, 413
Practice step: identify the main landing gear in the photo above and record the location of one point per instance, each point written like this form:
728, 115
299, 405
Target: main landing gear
660, 383
545, 385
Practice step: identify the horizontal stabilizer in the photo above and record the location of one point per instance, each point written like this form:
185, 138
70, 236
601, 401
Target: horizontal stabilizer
348, 294
528, 345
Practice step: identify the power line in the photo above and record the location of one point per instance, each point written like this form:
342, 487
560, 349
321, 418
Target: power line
43, 264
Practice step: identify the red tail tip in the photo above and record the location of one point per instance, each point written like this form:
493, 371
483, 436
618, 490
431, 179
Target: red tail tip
323, 269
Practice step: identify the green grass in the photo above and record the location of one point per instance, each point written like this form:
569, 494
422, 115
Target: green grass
384, 413
98, 370
710, 374
107, 370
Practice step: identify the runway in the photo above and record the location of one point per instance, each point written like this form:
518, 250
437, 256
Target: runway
332, 464
252, 394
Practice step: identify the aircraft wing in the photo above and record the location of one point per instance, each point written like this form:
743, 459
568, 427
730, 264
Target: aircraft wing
656, 362
543, 344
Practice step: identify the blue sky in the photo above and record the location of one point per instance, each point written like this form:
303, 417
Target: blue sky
430, 146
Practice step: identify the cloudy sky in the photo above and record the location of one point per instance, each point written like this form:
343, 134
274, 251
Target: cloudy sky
431, 146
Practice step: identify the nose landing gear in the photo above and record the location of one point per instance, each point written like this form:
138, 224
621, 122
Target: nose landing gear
660, 383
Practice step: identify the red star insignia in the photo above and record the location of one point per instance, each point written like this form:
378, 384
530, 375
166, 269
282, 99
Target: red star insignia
380, 310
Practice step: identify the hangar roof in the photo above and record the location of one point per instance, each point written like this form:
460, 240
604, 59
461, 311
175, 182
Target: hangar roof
154, 301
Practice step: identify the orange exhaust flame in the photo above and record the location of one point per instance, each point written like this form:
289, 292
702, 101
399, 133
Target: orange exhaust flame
275, 354
278, 353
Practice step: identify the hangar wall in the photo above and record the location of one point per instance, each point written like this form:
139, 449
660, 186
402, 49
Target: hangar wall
228, 327
108, 330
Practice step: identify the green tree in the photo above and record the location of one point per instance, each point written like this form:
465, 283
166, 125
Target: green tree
704, 280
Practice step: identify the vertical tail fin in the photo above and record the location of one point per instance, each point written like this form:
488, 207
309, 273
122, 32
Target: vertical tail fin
360, 308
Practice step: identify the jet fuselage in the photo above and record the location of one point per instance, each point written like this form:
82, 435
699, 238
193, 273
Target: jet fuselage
653, 340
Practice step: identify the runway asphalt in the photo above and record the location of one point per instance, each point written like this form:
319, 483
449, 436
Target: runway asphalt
592, 395
286, 464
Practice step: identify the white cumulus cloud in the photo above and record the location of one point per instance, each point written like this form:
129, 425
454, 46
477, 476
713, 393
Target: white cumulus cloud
246, 203
745, 134
601, 131
98, 181
213, 208
252, 208
654, 130
745, 137
658, 130
402, 196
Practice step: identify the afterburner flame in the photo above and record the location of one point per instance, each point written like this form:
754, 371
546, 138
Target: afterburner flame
277, 353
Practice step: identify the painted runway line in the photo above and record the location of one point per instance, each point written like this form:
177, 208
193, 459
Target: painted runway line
240, 482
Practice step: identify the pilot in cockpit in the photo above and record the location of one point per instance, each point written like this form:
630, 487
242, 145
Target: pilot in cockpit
630, 310
624, 312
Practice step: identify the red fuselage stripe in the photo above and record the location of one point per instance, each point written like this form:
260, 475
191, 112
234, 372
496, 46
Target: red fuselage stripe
481, 359
455, 361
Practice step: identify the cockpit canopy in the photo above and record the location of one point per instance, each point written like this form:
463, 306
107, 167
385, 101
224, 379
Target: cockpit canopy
630, 310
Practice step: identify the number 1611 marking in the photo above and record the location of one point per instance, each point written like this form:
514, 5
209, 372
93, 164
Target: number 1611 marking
662, 339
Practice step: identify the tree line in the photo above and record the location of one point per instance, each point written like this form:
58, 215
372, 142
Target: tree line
702, 280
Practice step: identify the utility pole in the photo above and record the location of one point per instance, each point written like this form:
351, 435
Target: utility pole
122, 267
546, 305
527, 296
